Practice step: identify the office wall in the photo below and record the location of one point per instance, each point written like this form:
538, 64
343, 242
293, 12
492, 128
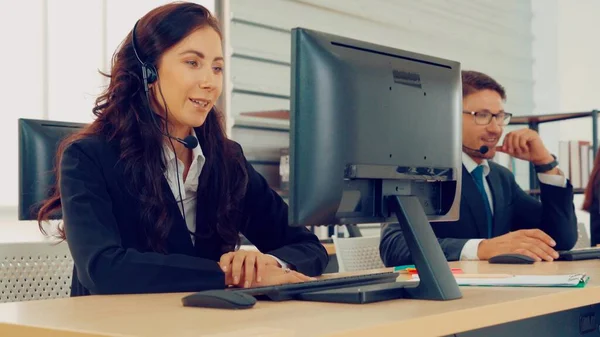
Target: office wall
566, 63
566, 67
53, 61
546, 89
51, 54
578, 67
490, 36
22, 88
579, 71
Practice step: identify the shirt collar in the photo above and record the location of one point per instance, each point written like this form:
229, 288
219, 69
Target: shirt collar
197, 153
470, 164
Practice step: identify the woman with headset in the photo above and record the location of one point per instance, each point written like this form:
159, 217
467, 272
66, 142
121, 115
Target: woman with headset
153, 194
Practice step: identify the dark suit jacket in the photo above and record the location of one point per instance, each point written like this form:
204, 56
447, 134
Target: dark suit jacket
110, 257
513, 210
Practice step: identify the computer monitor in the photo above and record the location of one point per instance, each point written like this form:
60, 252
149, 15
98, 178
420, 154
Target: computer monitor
375, 136
38, 142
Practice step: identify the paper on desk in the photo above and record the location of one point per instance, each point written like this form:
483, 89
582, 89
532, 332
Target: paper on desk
571, 280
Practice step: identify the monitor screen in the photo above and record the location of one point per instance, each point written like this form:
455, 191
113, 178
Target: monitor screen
38, 142
366, 122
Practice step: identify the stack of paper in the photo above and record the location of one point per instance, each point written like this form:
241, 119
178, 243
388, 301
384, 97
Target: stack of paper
506, 280
572, 280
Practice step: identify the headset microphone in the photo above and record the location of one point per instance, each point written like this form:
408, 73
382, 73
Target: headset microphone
190, 142
483, 149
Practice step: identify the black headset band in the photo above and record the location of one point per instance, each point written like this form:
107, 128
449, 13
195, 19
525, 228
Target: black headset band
134, 43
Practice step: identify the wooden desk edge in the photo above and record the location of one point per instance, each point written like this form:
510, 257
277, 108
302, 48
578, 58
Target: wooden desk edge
459, 321
444, 323
18, 330
330, 248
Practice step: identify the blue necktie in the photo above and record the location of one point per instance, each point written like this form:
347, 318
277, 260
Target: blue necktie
478, 177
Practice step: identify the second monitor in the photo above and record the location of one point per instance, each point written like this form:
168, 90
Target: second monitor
368, 121
375, 136
38, 142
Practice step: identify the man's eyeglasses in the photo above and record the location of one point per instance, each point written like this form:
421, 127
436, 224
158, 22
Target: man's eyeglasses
485, 117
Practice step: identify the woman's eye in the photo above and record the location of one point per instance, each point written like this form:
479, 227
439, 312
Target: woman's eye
192, 63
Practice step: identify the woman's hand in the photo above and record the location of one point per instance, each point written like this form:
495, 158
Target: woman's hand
273, 275
245, 268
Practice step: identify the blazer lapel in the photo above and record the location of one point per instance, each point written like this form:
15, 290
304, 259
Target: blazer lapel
179, 239
209, 244
472, 197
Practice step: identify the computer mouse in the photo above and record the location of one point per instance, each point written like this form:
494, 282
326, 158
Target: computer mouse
221, 299
511, 259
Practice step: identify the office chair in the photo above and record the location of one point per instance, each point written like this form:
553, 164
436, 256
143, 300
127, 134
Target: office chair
583, 239
34, 271
357, 253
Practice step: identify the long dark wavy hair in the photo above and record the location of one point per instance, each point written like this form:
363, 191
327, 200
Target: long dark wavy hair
123, 118
591, 189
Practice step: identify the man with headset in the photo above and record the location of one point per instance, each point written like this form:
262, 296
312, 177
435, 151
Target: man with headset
496, 215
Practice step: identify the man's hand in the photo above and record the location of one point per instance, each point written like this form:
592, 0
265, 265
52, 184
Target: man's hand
531, 242
526, 144
245, 268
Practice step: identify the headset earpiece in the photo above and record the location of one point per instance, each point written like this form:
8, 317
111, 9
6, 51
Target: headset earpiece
149, 73
152, 73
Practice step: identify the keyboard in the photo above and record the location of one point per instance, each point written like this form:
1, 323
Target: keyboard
587, 253
286, 292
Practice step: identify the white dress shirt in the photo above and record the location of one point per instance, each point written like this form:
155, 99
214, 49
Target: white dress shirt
189, 186
469, 251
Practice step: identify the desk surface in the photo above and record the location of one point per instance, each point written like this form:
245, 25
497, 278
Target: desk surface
163, 314
329, 247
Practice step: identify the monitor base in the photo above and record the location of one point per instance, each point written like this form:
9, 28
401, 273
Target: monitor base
436, 281
360, 294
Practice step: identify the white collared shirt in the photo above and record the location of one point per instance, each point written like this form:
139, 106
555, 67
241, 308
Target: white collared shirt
189, 186
471, 165
469, 251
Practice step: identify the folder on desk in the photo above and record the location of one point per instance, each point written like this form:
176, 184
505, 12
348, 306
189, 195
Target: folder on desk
571, 280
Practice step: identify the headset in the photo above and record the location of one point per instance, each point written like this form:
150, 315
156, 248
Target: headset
483, 149
149, 73
149, 76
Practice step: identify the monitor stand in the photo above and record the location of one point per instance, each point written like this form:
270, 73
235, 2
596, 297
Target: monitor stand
353, 231
436, 281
